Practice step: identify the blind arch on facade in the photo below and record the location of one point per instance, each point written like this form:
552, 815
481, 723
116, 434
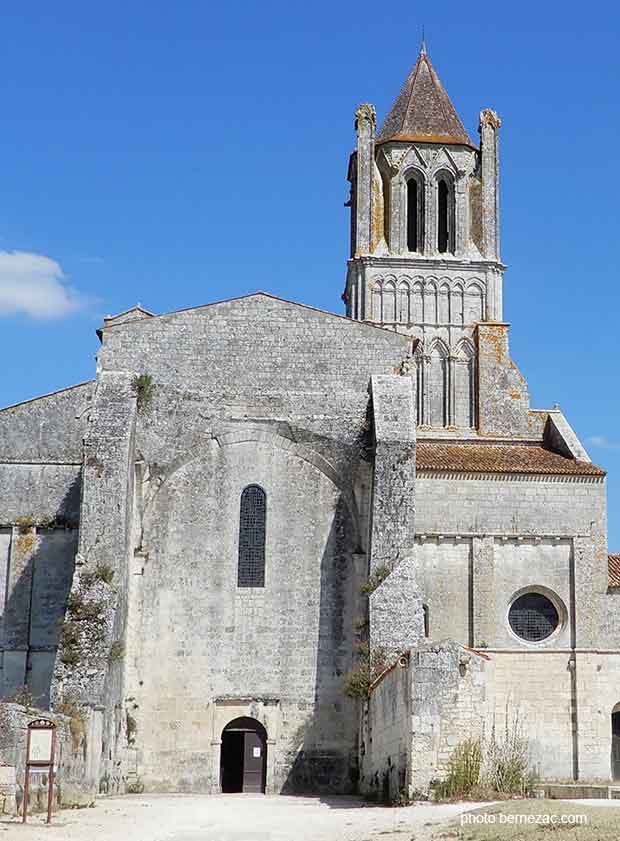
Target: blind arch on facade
252, 530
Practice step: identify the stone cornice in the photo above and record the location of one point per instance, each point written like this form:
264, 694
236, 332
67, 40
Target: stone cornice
504, 537
426, 263
45, 463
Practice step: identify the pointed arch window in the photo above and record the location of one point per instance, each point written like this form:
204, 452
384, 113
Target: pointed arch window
415, 212
252, 527
445, 213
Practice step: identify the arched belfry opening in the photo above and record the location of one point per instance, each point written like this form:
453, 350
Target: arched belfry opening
415, 212
243, 758
445, 213
615, 742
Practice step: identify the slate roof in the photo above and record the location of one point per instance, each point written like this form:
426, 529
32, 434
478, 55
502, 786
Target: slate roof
498, 458
613, 567
423, 110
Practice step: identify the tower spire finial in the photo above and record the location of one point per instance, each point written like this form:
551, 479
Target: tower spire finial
423, 44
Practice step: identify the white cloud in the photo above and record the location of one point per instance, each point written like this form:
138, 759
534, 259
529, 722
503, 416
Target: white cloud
603, 441
36, 286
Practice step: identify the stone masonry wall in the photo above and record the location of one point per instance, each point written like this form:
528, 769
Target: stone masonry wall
443, 578
536, 687
41, 457
199, 638
40, 478
89, 667
36, 570
47, 429
256, 359
395, 609
78, 748
569, 728
384, 736
393, 507
433, 698
503, 397
451, 693
523, 531
255, 390
43, 493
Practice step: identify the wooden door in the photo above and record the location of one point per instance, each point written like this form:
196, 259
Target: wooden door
254, 763
615, 746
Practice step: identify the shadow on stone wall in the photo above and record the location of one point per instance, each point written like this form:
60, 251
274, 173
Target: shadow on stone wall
39, 576
327, 760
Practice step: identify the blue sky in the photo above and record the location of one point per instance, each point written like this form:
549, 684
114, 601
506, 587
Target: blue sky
178, 153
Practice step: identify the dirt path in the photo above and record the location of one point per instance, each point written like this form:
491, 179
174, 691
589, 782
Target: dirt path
235, 818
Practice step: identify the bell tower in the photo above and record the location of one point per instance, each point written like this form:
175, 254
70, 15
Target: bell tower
425, 237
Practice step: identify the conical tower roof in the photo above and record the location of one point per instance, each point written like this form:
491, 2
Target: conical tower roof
423, 110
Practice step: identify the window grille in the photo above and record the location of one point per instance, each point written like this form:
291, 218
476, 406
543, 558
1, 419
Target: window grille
533, 617
252, 518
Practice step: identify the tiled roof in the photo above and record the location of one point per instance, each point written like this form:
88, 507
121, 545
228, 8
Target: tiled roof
423, 110
613, 567
499, 458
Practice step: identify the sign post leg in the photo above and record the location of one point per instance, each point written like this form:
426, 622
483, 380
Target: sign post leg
50, 791
50, 779
25, 803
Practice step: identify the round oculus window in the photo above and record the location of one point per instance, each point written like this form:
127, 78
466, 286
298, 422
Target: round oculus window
533, 617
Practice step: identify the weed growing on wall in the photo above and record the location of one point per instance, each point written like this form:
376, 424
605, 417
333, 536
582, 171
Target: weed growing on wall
369, 665
83, 632
376, 579
498, 766
464, 769
507, 768
144, 389
117, 651
69, 707
102, 572
134, 786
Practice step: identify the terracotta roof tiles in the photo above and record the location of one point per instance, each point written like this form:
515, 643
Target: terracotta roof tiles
499, 458
613, 567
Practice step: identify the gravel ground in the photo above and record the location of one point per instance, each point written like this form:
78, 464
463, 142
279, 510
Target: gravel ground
233, 817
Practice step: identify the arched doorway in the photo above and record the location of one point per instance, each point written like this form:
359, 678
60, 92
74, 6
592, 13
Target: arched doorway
615, 742
243, 759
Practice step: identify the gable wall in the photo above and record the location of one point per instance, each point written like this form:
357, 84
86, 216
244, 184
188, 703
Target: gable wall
250, 391
254, 358
47, 429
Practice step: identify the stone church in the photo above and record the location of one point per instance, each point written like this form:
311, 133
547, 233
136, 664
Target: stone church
194, 544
